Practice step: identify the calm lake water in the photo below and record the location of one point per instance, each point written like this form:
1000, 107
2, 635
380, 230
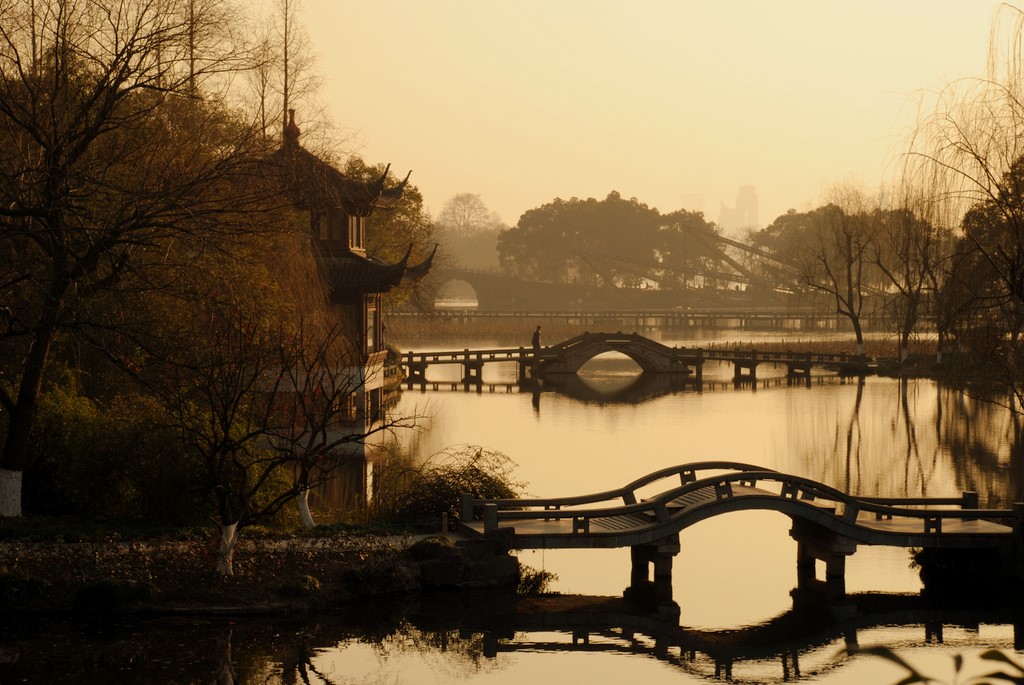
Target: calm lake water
732, 579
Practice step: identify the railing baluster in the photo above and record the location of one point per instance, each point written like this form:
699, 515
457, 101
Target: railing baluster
490, 518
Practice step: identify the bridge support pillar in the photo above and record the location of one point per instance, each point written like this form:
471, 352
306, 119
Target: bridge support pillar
813, 544
799, 370
745, 369
653, 592
416, 373
472, 372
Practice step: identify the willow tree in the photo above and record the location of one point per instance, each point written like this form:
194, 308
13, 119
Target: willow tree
966, 155
109, 151
909, 251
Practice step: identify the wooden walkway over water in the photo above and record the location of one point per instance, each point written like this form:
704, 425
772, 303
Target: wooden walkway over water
647, 515
567, 357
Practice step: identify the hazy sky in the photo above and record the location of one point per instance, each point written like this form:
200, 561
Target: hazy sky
523, 101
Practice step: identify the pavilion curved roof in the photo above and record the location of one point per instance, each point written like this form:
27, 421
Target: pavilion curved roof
316, 185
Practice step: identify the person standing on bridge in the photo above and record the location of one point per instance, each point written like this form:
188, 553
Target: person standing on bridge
536, 341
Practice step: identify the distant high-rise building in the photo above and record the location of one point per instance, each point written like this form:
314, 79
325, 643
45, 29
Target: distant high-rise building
744, 215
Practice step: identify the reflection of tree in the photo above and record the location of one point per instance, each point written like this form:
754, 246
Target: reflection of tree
872, 446
225, 667
452, 638
853, 440
982, 439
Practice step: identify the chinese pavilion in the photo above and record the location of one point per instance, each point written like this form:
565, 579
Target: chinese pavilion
338, 208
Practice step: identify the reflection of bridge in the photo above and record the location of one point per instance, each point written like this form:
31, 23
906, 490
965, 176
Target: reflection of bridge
828, 525
595, 624
569, 356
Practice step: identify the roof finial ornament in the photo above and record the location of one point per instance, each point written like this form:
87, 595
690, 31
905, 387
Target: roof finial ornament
291, 131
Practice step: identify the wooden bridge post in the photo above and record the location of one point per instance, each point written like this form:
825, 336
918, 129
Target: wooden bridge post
653, 592
740, 363
416, 371
490, 518
804, 565
472, 370
815, 543
1018, 542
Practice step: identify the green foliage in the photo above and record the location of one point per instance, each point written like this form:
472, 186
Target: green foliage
430, 547
114, 459
378, 573
404, 492
534, 582
591, 242
302, 587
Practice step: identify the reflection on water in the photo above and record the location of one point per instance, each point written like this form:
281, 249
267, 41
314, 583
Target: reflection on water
733, 578
448, 639
870, 437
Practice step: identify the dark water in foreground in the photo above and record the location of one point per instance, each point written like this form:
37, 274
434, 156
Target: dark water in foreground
732, 580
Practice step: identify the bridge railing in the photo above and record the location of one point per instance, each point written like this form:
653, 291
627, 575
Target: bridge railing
700, 353
660, 509
687, 473
459, 356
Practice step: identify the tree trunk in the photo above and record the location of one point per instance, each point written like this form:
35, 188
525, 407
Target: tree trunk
304, 512
19, 427
10, 492
858, 333
228, 540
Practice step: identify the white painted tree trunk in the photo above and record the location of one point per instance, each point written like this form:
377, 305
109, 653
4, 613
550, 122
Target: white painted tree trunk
228, 540
860, 348
904, 353
304, 512
10, 493
938, 356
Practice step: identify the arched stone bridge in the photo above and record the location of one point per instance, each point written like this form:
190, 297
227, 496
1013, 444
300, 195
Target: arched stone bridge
649, 355
828, 524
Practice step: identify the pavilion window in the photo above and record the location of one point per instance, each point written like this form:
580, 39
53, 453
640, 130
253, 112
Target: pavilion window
355, 232
371, 328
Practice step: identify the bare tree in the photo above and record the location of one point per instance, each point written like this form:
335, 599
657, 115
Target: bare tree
107, 151
465, 215
264, 410
282, 75
321, 411
835, 258
908, 250
967, 155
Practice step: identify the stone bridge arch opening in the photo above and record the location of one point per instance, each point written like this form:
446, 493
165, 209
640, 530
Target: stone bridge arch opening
456, 293
610, 371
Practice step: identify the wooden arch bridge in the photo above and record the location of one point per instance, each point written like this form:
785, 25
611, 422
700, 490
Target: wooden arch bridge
828, 525
569, 356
